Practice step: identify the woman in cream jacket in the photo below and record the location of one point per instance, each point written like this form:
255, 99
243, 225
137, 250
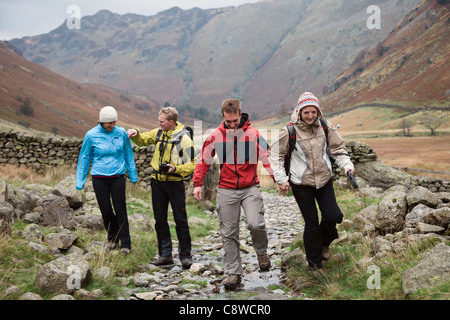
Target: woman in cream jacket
310, 176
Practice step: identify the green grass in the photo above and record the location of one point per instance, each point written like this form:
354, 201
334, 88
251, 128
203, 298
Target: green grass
19, 264
344, 280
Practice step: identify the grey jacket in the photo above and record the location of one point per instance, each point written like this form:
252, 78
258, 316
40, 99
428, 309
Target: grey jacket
310, 163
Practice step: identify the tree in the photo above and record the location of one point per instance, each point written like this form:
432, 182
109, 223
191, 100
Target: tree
431, 122
26, 108
406, 126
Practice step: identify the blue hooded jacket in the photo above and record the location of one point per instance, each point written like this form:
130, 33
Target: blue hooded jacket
110, 153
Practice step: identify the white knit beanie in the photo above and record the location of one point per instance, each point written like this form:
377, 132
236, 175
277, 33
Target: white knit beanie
108, 114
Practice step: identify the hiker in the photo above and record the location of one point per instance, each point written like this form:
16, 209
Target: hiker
239, 146
310, 175
172, 161
108, 148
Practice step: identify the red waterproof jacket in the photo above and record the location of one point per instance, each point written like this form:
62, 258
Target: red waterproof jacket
238, 153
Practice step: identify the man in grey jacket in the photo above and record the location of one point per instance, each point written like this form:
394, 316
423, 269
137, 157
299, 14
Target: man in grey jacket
310, 176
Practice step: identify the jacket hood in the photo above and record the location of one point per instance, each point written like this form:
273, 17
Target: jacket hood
245, 122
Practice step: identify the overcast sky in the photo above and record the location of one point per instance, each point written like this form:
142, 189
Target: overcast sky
20, 18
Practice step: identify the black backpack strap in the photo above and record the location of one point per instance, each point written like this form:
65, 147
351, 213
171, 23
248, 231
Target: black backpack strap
324, 125
292, 135
158, 136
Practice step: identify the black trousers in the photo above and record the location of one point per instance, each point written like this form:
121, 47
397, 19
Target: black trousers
115, 221
163, 193
318, 234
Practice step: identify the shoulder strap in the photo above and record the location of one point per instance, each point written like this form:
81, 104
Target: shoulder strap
292, 137
324, 125
158, 135
191, 131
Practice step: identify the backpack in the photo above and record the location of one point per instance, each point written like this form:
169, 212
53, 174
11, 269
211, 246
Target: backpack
293, 139
175, 142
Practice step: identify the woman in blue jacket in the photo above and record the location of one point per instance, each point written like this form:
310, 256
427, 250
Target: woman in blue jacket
108, 147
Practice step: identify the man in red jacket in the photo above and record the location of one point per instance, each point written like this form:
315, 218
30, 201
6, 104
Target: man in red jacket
238, 146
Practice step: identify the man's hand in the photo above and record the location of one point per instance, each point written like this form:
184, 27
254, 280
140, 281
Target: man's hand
171, 168
282, 188
131, 133
198, 193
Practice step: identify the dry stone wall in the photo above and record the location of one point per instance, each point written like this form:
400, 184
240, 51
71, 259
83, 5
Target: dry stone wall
40, 153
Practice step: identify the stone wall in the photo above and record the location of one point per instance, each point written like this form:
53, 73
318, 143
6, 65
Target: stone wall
36, 152
39, 153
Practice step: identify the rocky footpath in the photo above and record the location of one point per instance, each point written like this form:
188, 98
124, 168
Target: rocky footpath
203, 280
404, 216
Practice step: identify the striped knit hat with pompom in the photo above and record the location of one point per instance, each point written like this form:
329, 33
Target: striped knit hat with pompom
306, 100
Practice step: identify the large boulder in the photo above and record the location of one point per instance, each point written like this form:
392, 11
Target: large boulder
439, 217
90, 221
57, 212
416, 215
62, 240
39, 190
64, 275
66, 188
421, 195
296, 257
392, 209
377, 174
431, 271
33, 232
365, 216
21, 198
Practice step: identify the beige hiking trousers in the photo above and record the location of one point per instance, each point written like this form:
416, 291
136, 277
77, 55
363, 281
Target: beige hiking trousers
229, 202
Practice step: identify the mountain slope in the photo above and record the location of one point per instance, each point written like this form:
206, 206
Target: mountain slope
135, 53
323, 45
409, 66
229, 52
38, 98
265, 53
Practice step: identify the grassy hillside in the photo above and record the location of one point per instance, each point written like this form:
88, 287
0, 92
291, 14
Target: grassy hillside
34, 97
409, 67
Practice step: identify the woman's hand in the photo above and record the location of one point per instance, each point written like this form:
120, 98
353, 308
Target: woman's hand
352, 171
282, 188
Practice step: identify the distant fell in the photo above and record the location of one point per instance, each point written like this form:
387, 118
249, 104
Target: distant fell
410, 67
266, 53
38, 98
